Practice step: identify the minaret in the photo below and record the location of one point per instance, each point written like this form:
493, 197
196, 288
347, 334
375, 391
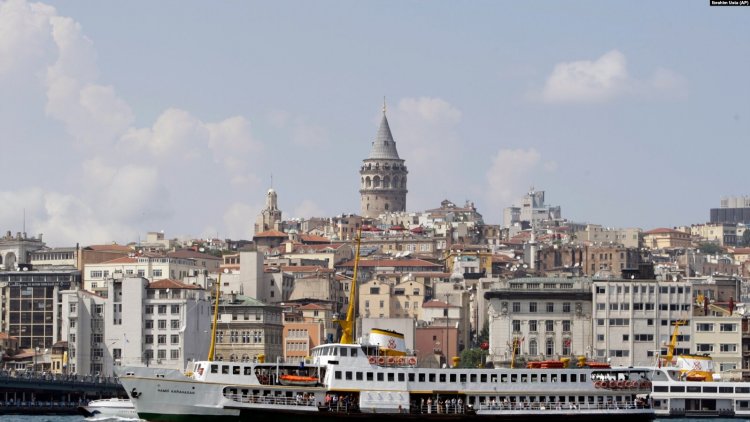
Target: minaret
382, 175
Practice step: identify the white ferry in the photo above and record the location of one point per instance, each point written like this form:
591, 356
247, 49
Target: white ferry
109, 408
691, 389
355, 381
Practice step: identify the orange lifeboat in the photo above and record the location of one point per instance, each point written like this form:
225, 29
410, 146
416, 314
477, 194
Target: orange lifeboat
298, 380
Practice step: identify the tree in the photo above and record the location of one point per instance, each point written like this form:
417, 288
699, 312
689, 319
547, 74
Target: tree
473, 358
710, 248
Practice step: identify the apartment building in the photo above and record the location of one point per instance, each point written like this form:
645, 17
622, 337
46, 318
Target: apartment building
720, 337
664, 238
389, 299
634, 319
163, 324
248, 328
725, 234
97, 276
550, 317
30, 307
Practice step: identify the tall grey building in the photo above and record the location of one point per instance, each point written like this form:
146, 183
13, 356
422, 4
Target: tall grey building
382, 176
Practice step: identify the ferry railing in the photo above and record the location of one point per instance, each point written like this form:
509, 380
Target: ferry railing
561, 406
276, 400
448, 409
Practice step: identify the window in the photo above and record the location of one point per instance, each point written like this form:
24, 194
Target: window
174, 354
162, 339
516, 306
613, 306
174, 324
149, 324
550, 347
601, 306
728, 347
532, 326
619, 322
550, 307
149, 339
162, 309
705, 327
516, 325
157, 272
600, 289
600, 337
532, 307
549, 325
566, 307
72, 308
728, 327
533, 348
704, 347
643, 337
619, 353
162, 324
161, 354
566, 325
624, 306
149, 309
175, 309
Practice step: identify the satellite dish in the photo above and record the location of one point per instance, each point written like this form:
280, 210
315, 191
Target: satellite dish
202, 250
525, 266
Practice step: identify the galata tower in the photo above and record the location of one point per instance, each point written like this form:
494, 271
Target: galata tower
382, 176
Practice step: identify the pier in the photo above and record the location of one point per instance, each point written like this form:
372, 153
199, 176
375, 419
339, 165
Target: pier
44, 393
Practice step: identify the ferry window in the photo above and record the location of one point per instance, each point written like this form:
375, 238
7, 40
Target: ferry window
533, 378
431, 377
453, 378
572, 399
524, 378
369, 376
563, 377
591, 399
513, 378
390, 377
337, 374
235, 370
493, 378
740, 390
353, 352
248, 370
473, 377
726, 390
335, 351
359, 376
421, 378
462, 378
411, 377
224, 369
342, 351
401, 377
348, 375
743, 404
709, 389
573, 377
214, 369
442, 377
663, 389
483, 378
582, 378
543, 378
677, 389
380, 376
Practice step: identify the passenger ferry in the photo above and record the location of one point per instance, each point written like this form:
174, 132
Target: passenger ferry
353, 381
691, 389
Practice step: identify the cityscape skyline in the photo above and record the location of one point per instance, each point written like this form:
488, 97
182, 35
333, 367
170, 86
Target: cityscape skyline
622, 115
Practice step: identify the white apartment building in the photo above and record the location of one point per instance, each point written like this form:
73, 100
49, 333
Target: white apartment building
720, 337
551, 317
163, 324
634, 319
96, 277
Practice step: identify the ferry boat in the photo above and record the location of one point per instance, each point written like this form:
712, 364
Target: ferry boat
109, 408
691, 389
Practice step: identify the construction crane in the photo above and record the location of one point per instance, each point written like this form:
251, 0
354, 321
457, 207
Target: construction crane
673, 342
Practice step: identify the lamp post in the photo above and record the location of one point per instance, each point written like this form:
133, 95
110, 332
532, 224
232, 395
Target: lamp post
36, 353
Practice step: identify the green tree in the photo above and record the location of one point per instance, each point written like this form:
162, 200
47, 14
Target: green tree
710, 248
473, 358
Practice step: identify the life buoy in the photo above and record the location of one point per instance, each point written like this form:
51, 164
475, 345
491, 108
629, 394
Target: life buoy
391, 360
412, 361
598, 384
381, 360
400, 360
645, 384
612, 384
620, 384
372, 360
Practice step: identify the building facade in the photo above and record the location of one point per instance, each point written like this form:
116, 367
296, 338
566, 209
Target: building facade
247, 328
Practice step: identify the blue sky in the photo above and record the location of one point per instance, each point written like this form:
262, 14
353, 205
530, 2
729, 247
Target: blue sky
120, 118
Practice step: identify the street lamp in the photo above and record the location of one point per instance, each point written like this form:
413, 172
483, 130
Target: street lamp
36, 352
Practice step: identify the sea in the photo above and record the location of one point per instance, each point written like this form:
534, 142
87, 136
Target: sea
73, 418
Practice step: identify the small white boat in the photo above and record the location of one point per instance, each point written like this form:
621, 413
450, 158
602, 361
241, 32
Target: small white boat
121, 408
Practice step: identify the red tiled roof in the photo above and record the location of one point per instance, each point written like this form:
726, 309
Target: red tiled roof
113, 248
434, 303
313, 238
306, 269
171, 284
189, 253
271, 233
741, 250
312, 307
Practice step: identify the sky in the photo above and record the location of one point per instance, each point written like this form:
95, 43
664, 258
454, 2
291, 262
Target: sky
120, 118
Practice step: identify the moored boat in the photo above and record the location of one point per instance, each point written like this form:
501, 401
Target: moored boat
109, 408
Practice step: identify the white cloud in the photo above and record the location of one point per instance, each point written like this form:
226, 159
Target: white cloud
239, 220
605, 79
588, 81
309, 135
509, 176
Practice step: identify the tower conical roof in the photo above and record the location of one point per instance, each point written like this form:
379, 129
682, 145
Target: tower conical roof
384, 146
